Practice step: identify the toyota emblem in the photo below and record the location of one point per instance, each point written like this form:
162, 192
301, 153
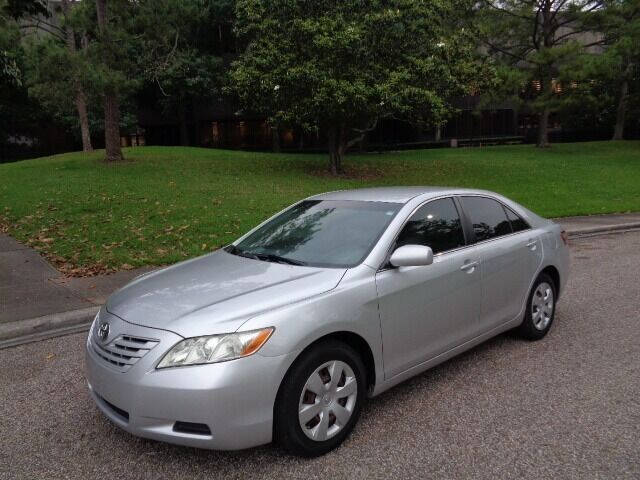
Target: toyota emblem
103, 331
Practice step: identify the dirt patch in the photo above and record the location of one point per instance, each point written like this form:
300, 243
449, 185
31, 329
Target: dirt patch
351, 172
69, 269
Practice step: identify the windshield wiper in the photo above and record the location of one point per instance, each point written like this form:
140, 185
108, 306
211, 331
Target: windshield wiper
241, 253
269, 257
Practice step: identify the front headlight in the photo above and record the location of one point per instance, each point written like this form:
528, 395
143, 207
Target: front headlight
215, 348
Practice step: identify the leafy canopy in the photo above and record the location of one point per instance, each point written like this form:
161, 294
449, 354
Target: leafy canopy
176, 51
531, 41
321, 63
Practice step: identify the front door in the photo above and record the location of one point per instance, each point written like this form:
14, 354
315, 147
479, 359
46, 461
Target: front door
427, 310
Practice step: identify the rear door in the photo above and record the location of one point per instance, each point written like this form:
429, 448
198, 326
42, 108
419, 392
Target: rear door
531, 244
504, 261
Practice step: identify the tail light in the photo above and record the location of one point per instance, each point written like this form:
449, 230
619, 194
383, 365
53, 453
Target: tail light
565, 237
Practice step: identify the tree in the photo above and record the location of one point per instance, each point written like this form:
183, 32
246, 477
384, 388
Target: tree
111, 103
536, 38
114, 49
78, 65
20, 115
178, 56
340, 67
57, 66
10, 12
619, 21
24, 8
588, 97
10, 74
10, 71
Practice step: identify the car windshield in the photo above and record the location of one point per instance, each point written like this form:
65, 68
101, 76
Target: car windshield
319, 233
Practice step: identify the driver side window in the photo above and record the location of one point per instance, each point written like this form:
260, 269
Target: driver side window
436, 225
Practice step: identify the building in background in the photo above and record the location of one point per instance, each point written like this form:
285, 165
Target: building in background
219, 124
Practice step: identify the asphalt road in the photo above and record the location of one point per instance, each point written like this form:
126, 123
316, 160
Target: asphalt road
565, 407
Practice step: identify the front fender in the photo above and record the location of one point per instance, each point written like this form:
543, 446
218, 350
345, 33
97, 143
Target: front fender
351, 307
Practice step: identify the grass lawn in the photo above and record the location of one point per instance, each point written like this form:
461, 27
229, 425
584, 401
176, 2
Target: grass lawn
170, 203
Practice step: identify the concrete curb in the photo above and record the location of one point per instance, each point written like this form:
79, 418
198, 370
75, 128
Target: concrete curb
577, 232
40, 328
31, 330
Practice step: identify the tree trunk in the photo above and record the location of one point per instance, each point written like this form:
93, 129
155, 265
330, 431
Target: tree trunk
543, 126
275, 138
110, 96
80, 97
548, 33
81, 106
543, 118
182, 123
112, 127
196, 124
337, 148
618, 132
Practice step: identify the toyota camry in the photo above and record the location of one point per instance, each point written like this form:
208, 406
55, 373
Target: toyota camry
283, 334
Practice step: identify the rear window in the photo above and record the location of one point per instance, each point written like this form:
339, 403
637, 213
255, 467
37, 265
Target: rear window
518, 224
487, 216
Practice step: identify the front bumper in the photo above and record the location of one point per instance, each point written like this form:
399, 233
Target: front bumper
234, 399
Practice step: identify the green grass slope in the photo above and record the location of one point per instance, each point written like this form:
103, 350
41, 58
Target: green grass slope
170, 203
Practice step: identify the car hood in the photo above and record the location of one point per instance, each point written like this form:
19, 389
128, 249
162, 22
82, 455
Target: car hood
216, 293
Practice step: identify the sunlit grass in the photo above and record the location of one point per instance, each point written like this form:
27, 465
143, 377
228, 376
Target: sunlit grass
170, 203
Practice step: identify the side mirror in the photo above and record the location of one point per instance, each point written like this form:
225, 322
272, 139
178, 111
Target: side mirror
411, 256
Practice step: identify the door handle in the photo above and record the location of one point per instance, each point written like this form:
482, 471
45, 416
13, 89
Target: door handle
532, 244
469, 267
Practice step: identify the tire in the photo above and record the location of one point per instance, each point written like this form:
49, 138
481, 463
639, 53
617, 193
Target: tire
316, 370
540, 309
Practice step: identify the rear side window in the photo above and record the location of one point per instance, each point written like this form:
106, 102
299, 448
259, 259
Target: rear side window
436, 225
517, 222
487, 217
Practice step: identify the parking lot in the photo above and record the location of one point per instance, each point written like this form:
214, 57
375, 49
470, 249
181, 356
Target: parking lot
565, 407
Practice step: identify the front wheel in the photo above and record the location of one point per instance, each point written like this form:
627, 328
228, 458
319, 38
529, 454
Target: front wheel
541, 309
320, 399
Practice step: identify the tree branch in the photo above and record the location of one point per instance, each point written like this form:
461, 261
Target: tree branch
363, 131
558, 8
573, 18
39, 27
508, 12
48, 24
593, 44
557, 40
520, 57
534, 37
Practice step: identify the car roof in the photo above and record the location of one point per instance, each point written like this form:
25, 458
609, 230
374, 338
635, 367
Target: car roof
394, 194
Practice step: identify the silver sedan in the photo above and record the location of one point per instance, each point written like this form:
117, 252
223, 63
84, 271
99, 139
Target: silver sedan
283, 334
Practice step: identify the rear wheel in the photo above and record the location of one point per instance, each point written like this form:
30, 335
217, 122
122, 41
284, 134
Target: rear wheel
541, 309
320, 399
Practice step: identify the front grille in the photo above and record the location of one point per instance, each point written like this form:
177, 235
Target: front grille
124, 351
